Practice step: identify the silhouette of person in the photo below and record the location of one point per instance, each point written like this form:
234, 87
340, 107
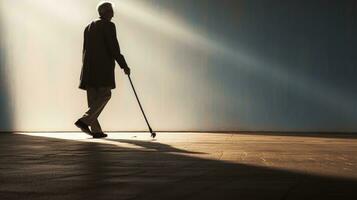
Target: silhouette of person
100, 51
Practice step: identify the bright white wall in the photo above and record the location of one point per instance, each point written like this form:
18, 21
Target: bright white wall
43, 44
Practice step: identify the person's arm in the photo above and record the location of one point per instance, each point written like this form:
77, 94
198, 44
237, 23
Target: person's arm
113, 45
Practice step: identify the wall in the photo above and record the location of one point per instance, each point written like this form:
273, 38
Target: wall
277, 65
5, 107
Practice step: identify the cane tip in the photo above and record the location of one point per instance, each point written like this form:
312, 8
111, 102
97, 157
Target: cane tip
153, 134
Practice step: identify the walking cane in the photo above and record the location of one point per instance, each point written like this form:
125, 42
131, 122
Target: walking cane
153, 134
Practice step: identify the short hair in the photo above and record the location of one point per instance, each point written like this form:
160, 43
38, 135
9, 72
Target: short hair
104, 6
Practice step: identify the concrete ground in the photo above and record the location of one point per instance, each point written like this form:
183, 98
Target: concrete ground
178, 166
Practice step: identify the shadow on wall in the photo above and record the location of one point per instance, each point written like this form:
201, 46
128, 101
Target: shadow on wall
62, 169
301, 75
5, 111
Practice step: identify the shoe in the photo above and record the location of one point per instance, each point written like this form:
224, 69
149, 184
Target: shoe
99, 135
84, 127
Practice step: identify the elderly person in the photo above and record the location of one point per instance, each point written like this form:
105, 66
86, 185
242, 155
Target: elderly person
100, 51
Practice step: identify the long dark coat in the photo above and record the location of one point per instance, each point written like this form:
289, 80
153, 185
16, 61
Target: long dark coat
100, 50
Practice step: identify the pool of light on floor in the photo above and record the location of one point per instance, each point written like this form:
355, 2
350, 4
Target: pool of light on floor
82, 137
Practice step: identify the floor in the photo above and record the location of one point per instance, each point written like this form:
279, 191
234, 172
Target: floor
178, 166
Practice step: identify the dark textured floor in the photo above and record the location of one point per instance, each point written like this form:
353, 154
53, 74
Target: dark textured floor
177, 166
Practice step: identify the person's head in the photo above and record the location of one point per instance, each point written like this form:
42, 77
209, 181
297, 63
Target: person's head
105, 10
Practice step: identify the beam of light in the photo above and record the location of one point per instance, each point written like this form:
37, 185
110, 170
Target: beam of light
310, 88
68, 11
50, 42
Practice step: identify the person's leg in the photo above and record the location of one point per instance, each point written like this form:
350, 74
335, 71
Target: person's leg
92, 97
95, 127
84, 122
104, 95
97, 99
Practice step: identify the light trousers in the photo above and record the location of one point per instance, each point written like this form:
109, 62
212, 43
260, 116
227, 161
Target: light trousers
97, 99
